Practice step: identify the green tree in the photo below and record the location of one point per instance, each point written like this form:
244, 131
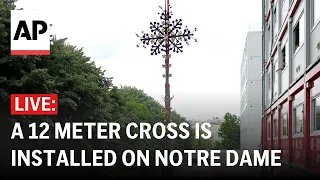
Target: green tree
229, 132
201, 143
144, 108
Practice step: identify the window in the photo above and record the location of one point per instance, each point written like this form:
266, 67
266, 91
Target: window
274, 69
298, 33
270, 39
315, 114
275, 24
269, 80
275, 128
285, 125
269, 129
285, 57
296, 37
274, 72
316, 11
298, 119
267, 42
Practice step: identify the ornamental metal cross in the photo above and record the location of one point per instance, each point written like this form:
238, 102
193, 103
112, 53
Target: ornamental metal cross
166, 36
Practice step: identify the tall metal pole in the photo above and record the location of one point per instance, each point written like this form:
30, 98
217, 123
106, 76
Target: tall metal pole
168, 98
166, 36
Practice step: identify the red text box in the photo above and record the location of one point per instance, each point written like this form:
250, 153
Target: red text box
34, 104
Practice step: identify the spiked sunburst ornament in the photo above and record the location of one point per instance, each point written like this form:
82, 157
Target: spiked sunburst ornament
166, 35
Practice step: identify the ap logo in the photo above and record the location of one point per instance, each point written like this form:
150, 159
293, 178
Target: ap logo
29, 33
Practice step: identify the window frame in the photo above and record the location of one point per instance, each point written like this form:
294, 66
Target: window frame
294, 128
275, 22
314, 22
282, 125
285, 60
294, 33
284, 55
274, 71
270, 39
301, 29
275, 127
270, 80
269, 128
313, 114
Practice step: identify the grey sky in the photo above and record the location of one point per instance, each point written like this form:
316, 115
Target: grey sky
205, 80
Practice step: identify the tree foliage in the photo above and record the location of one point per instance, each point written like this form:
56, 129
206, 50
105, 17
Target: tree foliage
85, 95
202, 143
229, 132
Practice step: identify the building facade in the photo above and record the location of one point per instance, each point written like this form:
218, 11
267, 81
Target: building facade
251, 92
215, 123
215, 126
291, 83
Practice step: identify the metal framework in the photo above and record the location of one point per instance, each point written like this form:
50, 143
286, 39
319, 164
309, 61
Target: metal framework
166, 36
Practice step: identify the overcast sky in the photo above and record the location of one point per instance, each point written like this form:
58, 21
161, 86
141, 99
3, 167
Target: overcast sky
205, 78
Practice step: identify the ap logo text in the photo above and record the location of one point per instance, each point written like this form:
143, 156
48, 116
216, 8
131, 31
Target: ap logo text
29, 33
